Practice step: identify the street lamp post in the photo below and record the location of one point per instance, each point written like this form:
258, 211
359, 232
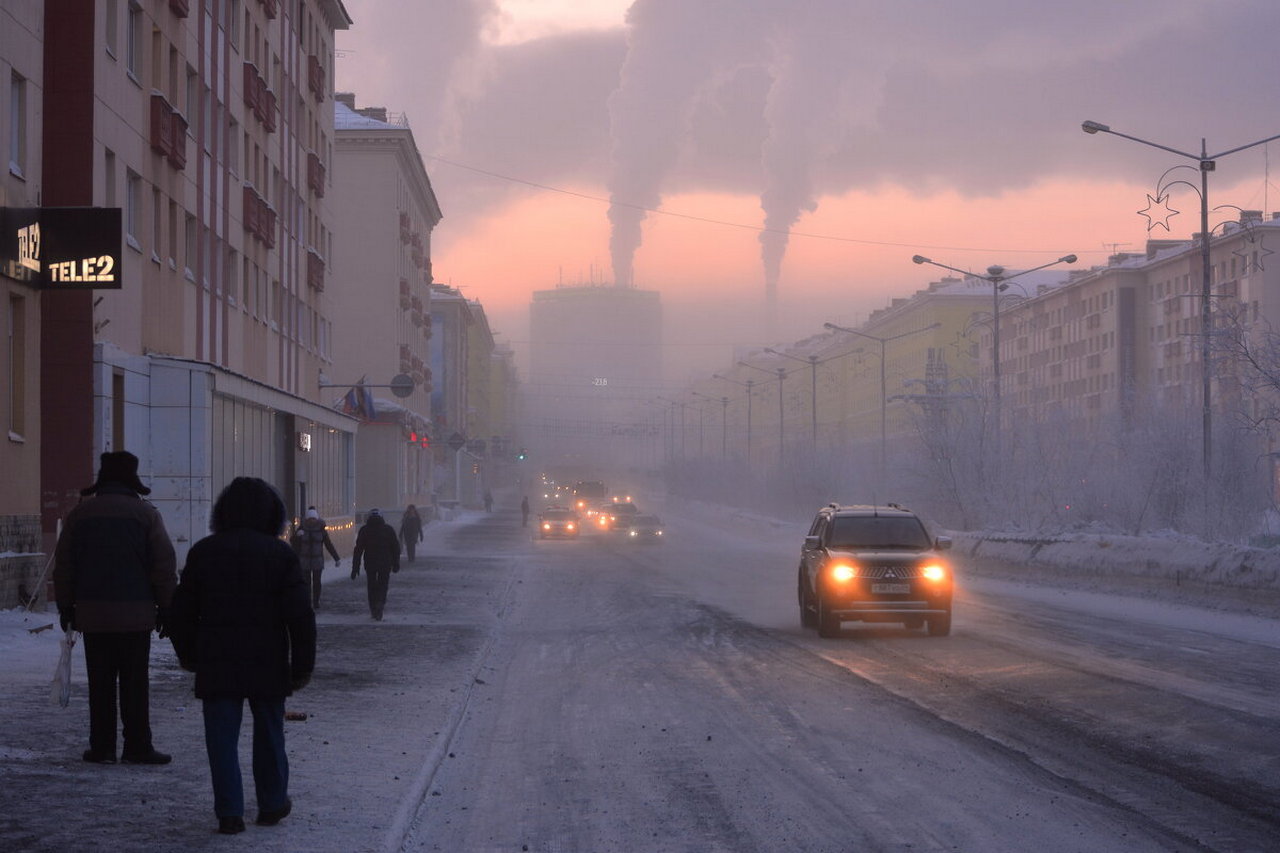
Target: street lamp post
1207, 163
996, 274
782, 374
724, 424
884, 403
813, 361
749, 385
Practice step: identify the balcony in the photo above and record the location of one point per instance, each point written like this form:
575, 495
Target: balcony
315, 77
259, 217
404, 228
180, 8
270, 8
168, 131
315, 174
260, 100
315, 271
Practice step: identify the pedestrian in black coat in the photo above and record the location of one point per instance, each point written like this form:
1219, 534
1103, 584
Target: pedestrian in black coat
377, 545
113, 575
241, 619
411, 530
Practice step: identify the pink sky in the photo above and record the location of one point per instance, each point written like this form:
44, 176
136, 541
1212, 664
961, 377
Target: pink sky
971, 155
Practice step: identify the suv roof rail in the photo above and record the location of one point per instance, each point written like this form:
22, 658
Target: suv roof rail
833, 505
896, 506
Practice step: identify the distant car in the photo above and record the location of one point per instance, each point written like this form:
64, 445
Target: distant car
644, 529
873, 564
559, 522
614, 516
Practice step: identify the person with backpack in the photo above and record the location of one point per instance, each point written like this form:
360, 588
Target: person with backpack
310, 541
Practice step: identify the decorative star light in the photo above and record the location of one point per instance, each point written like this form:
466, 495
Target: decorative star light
1158, 215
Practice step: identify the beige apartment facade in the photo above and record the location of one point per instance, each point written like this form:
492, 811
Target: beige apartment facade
210, 128
385, 213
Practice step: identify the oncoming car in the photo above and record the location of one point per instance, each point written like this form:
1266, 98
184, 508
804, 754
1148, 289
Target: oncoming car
614, 516
644, 529
558, 522
873, 564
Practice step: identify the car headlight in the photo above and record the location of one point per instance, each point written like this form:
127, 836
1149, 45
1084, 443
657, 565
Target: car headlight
633, 532
843, 572
933, 572
546, 525
569, 526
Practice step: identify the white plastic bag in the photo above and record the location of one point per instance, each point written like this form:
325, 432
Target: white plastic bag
61, 688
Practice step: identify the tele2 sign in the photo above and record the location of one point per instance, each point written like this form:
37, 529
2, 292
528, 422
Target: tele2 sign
61, 248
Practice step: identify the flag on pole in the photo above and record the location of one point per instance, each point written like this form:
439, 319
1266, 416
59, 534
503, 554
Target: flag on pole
358, 402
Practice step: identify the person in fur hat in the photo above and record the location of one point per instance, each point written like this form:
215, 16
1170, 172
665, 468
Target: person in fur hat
114, 574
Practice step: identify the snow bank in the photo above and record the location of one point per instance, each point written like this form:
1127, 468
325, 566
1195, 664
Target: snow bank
1174, 558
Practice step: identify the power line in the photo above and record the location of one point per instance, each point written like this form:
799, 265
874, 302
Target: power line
757, 228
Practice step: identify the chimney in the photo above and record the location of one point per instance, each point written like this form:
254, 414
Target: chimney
348, 98
375, 113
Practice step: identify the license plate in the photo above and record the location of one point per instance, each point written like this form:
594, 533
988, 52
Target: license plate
891, 587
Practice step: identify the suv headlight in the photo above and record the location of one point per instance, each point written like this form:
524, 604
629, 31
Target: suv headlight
843, 572
933, 572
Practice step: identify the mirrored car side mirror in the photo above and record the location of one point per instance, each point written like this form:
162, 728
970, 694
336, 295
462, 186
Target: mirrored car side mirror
942, 543
810, 543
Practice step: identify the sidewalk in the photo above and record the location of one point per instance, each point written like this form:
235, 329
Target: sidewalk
379, 711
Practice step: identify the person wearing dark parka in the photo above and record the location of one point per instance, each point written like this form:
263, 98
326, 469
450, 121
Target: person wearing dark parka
241, 619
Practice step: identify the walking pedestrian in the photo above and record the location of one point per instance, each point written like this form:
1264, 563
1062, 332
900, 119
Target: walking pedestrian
411, 530
310, 541
524, 511
488, 501
377, 544
242, 621
114, 574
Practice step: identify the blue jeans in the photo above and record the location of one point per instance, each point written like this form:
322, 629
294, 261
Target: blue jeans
270, 764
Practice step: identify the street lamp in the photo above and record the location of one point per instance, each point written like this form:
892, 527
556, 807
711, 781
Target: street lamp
782, 374
884, 403
997, 276
813, 361
724, 420
1207, 163
681, 405
749, 385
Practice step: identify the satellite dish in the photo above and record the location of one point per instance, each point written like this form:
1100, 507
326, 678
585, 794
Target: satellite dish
402, 385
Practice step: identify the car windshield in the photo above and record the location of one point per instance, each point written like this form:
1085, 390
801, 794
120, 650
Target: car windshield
864, 532
623, 509
558, 515
646, 520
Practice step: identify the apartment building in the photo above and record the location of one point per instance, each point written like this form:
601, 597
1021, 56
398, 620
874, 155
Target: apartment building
1129, 335
211, 128
21, 93
385, 213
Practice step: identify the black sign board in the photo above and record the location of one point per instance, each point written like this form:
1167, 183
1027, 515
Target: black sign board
62, 248
456, 441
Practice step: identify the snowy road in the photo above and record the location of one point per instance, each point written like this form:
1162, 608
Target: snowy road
666, 699
583, 696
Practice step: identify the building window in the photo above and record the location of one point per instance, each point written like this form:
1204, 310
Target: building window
157, 220
189, 253
133, 41
133, 208
17, 124
113, 27
17, 366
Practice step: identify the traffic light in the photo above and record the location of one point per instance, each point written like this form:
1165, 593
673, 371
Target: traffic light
521, 454
421, 439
